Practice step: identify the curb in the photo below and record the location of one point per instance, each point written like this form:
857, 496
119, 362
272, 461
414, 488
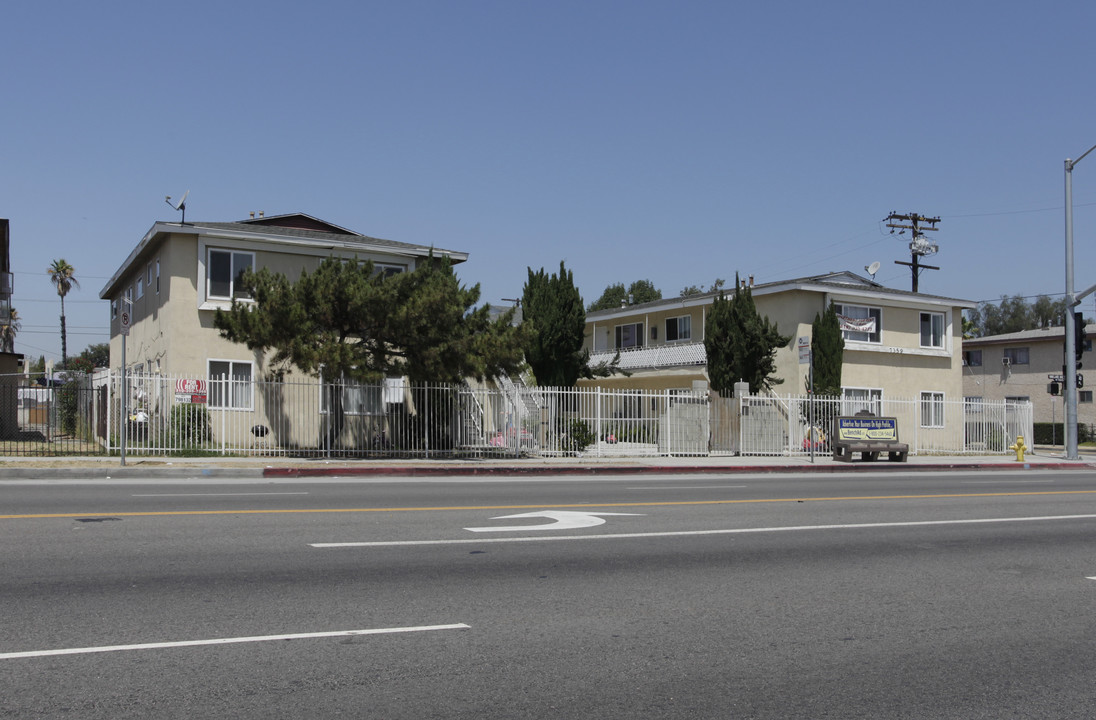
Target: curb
495, 471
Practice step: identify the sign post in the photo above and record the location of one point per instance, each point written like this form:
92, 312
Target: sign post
806, 359
125, 319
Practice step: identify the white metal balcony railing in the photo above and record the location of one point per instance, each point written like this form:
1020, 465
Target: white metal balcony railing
655, 356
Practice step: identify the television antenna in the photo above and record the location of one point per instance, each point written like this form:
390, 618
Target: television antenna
181, 205
872, 269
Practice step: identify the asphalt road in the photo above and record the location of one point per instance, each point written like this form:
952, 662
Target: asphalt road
936, 595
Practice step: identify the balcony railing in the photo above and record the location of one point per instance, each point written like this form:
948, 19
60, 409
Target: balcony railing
655, 356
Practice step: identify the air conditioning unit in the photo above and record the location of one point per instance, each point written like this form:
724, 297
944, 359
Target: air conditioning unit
1006, 361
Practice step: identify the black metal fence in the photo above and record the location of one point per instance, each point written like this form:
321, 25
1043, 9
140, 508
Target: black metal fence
51, 417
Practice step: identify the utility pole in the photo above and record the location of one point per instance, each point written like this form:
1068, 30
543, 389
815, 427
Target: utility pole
919, 244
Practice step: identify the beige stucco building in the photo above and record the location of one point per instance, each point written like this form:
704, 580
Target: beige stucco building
169, 289
898, 344
1021, 365
178, 275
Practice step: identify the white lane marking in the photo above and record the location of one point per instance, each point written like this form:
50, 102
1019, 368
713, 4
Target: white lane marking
228, 641
1007, 482
687, 533
561, 520
692, 487
216, 494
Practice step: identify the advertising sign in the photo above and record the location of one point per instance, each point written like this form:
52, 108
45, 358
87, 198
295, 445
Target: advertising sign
190, 391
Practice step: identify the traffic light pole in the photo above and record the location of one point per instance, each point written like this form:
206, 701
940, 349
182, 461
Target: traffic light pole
1072, 300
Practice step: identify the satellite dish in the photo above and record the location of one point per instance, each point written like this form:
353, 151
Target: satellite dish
872, 269
181, 205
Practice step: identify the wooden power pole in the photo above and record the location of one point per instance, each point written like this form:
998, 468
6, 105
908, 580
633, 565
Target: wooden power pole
919, 244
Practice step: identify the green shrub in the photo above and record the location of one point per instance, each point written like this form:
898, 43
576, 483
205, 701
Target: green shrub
188, 427
66, 405
578, 436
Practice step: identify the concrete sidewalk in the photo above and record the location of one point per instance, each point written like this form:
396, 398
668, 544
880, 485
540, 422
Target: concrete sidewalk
290, 467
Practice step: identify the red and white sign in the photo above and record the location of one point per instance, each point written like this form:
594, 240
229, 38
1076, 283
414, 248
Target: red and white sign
190, 391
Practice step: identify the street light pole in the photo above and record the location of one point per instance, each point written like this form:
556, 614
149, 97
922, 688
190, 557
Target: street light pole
1070, 390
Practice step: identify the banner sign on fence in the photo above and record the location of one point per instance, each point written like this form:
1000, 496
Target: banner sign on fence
190, 391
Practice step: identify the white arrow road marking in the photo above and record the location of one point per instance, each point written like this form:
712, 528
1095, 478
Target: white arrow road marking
562, 520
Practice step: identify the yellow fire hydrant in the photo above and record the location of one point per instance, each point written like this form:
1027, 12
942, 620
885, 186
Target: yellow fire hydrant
1019, 447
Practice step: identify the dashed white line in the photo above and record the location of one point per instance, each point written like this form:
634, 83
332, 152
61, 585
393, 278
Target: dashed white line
228, 641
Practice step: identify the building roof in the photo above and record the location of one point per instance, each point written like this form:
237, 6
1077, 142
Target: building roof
293, 229
1057, 334
845, 283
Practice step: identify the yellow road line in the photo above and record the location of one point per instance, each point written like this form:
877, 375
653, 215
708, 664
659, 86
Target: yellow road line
666, 503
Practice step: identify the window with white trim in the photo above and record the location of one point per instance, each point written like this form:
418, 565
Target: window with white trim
388, 270
679, 328
853, 400
230, 384
932, 409
140, 288
224, 268
113, 309
629, 336
860, 323
932, 330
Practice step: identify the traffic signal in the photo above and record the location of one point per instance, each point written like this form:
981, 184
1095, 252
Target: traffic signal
1054, 388
1078, 336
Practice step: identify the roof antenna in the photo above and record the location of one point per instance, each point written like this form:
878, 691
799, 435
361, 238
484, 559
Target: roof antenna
181, 205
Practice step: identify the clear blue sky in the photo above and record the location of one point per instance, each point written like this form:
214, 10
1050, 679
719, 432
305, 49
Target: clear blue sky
671, 141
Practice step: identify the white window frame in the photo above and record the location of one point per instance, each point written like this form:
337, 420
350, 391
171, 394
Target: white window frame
388, 269
872, 400
157, 276
114, 309
233, 270
932, 409
875, 338
937, 330
678, 322
239, 393
618, 335
140, 287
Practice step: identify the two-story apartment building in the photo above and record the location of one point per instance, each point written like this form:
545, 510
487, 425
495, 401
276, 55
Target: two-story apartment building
1020, 366
898, 344
179, 274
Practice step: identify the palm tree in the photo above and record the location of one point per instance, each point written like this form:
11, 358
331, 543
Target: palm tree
8, 331
62, 275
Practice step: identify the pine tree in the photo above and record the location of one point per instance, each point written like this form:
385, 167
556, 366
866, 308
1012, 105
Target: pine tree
740, 344
359, 324
827, 352
346, 322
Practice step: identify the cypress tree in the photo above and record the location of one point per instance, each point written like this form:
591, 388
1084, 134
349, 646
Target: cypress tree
740, 344
827, 352
555, 321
